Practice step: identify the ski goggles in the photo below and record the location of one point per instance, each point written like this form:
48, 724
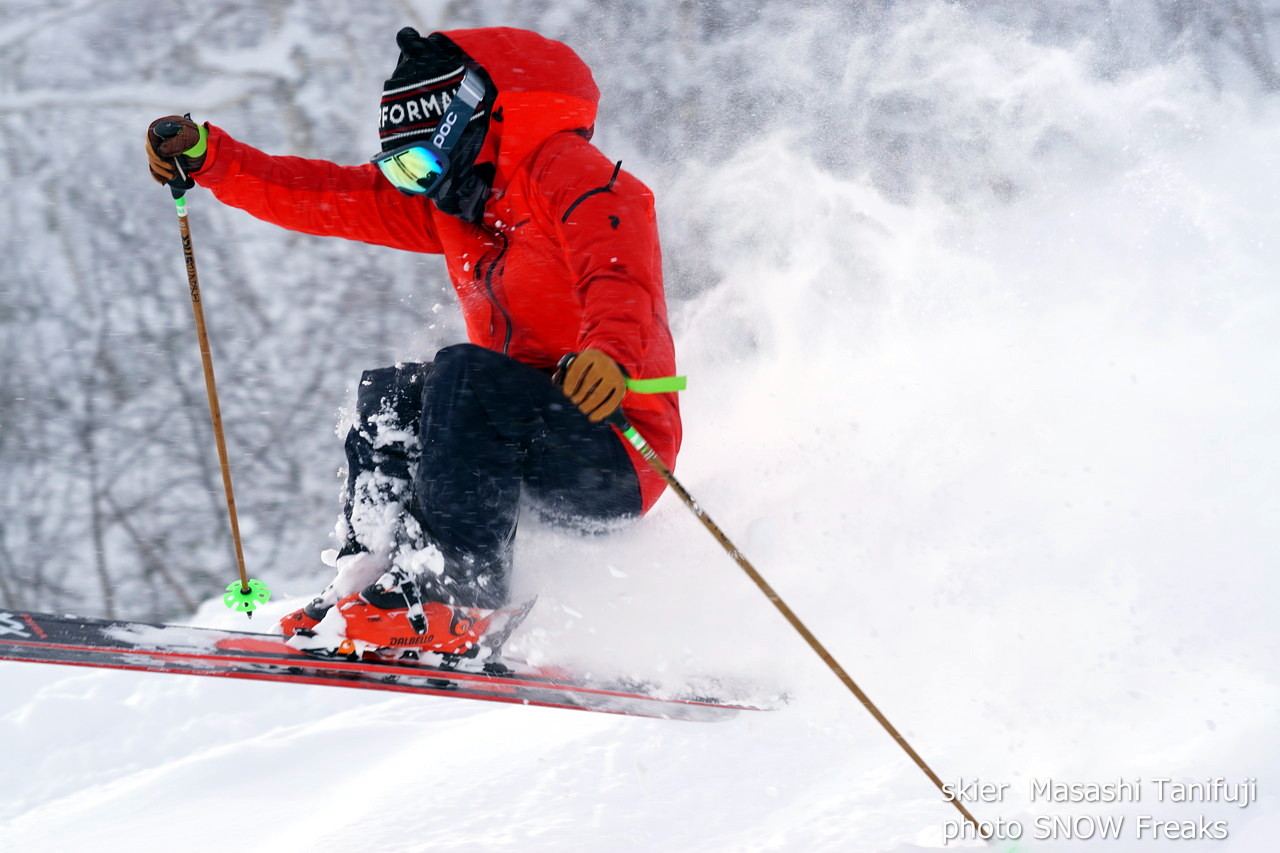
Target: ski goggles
420, 168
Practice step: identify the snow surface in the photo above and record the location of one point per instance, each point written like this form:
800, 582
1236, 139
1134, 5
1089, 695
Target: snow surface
1013, 457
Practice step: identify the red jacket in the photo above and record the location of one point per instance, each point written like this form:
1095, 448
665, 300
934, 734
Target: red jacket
554, 268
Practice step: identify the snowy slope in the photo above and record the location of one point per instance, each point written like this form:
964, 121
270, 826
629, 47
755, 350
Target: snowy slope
1005, 438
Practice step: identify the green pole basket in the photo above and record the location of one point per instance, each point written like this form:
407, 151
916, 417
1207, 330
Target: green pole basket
246, 600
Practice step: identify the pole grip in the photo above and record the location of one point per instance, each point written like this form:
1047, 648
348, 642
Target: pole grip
182, 181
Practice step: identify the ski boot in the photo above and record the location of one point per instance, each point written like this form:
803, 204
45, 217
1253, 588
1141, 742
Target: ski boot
396, 633
304, 618
388, 620
355, 569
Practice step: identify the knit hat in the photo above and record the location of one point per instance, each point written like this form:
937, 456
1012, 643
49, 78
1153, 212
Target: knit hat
427, 76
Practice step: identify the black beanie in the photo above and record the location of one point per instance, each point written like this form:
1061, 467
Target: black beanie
426, 78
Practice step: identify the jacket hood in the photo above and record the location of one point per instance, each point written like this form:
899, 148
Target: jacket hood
543, 88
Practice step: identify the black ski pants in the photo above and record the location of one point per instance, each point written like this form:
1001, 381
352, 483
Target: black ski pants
460, 441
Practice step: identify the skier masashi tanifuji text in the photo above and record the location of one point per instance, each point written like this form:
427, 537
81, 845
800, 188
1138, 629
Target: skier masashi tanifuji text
553, 251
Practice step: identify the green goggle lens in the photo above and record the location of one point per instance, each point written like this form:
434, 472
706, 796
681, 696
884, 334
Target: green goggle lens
411, 169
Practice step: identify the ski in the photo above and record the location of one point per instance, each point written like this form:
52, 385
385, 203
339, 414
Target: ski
138, 646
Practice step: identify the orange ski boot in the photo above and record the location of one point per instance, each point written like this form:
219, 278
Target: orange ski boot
387, 633
355, 569
388, 620
304, 618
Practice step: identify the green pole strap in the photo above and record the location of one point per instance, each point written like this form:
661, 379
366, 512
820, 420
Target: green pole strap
661, 385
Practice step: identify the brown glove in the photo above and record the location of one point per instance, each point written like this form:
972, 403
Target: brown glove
188, 146
594, 382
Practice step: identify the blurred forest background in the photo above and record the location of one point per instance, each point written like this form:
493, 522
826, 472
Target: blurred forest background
110, 497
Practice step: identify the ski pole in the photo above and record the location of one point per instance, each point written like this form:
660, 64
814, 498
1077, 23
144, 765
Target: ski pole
651, 456
246, 594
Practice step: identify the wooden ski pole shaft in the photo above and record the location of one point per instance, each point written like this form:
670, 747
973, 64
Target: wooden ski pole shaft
651, 456
246, 595
211, 387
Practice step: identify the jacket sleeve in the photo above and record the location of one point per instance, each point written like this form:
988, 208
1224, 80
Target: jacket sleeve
316, 196
609, 234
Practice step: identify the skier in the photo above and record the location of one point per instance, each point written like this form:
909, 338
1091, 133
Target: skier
553, 251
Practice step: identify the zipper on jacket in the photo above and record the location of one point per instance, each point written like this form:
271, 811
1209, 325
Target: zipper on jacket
589, 193
489, 287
